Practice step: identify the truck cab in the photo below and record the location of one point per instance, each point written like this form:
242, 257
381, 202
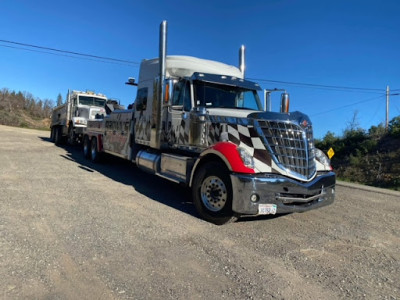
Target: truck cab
69, 119
84, 106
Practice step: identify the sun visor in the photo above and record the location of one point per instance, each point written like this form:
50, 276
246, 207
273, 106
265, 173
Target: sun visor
226, 80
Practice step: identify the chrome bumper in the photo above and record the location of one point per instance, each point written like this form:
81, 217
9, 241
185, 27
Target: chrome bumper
287, 194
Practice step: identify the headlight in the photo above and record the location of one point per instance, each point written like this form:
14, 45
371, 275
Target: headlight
322, 158
80, 121
247, 159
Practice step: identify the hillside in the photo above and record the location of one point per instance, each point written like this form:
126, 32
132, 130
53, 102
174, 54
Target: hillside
22, 109
22, 119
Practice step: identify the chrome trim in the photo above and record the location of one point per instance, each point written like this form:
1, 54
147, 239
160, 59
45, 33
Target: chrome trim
157, 131
242, 58
291, 145
287, 200
148, 162
273, 189
178, 167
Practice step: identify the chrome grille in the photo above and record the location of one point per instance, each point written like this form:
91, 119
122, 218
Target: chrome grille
291, 146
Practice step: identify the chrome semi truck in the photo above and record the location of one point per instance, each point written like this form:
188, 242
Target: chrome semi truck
202, 124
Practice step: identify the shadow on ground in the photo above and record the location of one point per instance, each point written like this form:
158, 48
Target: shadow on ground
125, 172
168, 193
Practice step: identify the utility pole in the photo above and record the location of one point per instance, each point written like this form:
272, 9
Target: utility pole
387, 107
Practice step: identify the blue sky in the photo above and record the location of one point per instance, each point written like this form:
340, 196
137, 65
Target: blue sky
349, 43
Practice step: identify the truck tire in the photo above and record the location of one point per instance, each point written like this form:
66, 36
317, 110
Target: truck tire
212, 193
57, 135
71, 136
94, 151
52, 134
86, 147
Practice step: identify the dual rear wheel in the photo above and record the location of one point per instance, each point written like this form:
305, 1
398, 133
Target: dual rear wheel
90, 149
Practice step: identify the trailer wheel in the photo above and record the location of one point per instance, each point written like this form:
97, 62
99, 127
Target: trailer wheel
212, 193
57, 135
86, 147
94, 151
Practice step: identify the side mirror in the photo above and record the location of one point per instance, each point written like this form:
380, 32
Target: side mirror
131, 81
267, 100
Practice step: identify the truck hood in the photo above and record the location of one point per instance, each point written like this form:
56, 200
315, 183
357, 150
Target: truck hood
296, 116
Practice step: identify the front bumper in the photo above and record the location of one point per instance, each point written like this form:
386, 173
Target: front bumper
79, 128
287, 194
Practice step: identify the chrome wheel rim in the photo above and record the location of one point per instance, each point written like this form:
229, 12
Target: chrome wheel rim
213, 193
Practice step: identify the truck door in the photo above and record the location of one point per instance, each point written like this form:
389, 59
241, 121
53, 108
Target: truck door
178, 125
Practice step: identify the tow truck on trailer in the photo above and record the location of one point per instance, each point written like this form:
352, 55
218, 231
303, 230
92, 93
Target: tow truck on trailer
201, 123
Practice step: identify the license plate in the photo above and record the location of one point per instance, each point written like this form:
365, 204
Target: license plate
267, 209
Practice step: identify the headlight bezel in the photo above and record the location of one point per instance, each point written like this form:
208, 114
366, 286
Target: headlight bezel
246, 157
322, 158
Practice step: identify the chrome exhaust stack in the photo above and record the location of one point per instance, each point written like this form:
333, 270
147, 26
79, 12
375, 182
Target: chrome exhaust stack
162, 55
242, 62
155, 139
285, 103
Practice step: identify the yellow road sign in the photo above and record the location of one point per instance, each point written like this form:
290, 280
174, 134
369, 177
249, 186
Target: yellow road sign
331, 153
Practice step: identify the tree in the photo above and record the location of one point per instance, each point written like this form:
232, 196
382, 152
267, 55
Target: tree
47, 107
394, 126
353, 127
329, 141
59, 100
377, 131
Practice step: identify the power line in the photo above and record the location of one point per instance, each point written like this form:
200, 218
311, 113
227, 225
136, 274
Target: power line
376, 111
123, 61
312, 85
348, 105
65, 55
71, 52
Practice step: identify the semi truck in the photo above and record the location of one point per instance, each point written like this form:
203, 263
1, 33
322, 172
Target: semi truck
200, 123
69, 118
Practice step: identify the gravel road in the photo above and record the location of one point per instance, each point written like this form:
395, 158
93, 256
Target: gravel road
71, 229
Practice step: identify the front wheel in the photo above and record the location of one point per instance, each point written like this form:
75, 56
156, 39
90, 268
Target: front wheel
86, 147
212, 193
71, 136
57, 135
95, 154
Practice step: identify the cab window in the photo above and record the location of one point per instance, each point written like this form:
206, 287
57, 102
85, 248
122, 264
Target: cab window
141, 99
181, 96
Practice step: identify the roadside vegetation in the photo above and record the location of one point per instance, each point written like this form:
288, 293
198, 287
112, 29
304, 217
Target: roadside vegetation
369, 157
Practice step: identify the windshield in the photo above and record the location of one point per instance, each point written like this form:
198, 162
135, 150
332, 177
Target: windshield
93, 101
213, 95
